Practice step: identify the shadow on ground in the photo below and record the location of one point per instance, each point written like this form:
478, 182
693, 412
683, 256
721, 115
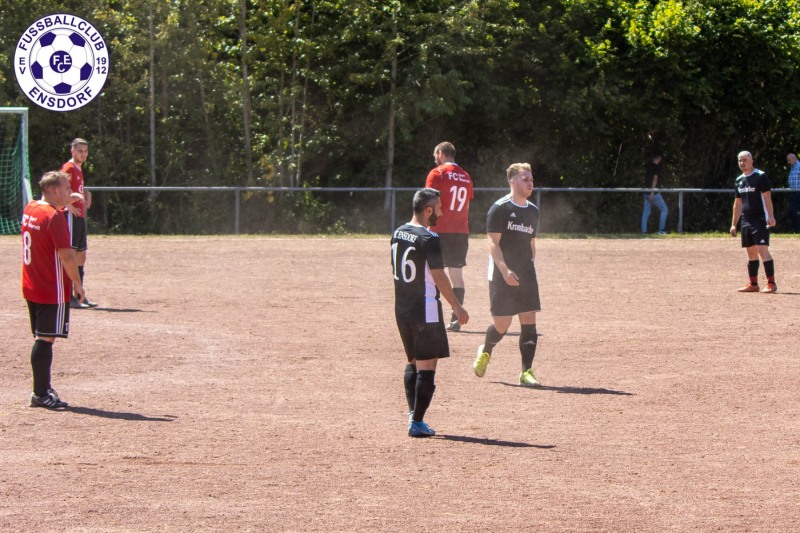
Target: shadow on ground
119, 415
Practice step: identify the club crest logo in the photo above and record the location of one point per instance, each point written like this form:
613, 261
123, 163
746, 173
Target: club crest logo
61, 62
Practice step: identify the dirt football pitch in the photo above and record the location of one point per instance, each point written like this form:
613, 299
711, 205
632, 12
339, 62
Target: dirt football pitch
256, 384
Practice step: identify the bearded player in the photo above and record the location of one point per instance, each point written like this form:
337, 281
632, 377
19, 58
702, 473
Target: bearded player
419, 278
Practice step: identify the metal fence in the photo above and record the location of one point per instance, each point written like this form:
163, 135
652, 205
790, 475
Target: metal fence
545, 198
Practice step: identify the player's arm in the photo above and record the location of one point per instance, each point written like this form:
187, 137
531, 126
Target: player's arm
446, 290
497, 256
88, 195
737, 212
533, 249
653, 185
767, 196
430, 181
70, 262
74, 198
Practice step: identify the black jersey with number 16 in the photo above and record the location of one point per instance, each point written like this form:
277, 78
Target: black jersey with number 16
415, 251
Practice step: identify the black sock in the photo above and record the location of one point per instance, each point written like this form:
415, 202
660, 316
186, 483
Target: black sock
424, 393
752, 271
769, 270
459, 292
527, 345
492, 338
41, 361
80, 271
410, 381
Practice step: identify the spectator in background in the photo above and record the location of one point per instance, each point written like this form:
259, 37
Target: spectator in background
794, 197
652, 174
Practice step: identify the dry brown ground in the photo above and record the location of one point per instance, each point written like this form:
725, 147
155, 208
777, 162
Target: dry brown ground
255, 384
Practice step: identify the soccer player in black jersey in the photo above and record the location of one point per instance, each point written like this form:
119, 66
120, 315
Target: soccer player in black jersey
419, 278
513, 288
753, 205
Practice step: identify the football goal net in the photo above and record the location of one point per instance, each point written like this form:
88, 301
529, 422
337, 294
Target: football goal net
15, 183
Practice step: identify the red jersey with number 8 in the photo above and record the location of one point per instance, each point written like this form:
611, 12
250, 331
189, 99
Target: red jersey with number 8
455, 186
44, 232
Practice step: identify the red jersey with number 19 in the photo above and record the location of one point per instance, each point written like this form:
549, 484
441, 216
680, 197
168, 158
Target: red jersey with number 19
455, 186
44, 232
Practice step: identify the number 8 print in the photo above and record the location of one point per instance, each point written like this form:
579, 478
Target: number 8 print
26, 247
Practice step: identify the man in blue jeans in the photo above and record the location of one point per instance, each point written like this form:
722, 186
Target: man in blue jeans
651, 175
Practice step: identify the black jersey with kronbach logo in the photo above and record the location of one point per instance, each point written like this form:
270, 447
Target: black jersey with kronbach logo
415, 251
749, 189
517, 226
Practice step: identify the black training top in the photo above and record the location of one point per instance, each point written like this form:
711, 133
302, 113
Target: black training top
415, 251
749, 189
517, 226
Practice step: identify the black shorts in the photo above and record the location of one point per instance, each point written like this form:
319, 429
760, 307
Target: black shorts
49, 320
755, 235
505, 300
423, 341
454, 249
77, 228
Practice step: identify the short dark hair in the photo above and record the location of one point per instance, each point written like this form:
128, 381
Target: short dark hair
52, 179
425, 198
446, 148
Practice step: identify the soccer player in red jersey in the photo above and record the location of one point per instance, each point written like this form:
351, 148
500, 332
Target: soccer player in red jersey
77, 206
455, 186
48, 263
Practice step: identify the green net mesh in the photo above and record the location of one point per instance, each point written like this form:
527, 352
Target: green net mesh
14, 181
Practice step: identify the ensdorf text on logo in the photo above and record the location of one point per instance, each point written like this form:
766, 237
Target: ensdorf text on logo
61, 62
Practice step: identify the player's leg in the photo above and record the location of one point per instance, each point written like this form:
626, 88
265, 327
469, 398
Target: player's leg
430, 345
752, 260
457, 281
80, 244
494, 334
769, 268
48, 321
454, 254
410, 373
425, 387
528, 339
